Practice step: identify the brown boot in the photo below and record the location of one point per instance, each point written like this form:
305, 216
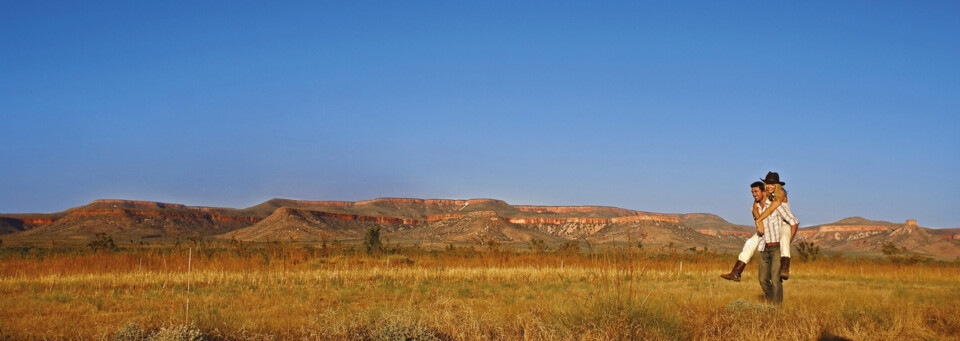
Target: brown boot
734, 274
785, 268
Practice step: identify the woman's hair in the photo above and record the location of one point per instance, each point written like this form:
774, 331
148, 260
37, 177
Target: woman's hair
779, 193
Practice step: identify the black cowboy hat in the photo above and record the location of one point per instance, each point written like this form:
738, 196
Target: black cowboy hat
773, 178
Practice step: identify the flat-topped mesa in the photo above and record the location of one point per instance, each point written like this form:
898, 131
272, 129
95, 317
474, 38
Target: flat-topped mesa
116, 203
573, 209
855, 228
435, 202
700, 216
579, 220
911, 222
152, 205
213, 216
355, 217
379, 219
949, 234
720, 233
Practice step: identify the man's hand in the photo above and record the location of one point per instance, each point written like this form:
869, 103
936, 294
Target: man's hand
793, 231
760, 229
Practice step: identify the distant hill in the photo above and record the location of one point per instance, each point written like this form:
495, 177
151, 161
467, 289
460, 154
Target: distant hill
714, 225
859, 235
10, 225
460, 221
406, 220
128, 219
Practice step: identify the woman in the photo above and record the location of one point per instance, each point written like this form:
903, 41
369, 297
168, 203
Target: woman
773, 188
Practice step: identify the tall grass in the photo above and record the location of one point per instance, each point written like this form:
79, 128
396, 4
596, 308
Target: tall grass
306, 292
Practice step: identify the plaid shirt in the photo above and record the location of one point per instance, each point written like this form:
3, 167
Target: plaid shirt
773, 224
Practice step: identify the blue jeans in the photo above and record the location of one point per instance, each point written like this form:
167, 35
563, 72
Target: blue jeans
769, 274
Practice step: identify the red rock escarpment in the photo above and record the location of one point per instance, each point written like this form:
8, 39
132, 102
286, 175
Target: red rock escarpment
854, 228
573, 209
719, 233
436, 202
948, 234
137, 204
37, 221
846, 229
560, 221
356, 217
161, 213
513, 220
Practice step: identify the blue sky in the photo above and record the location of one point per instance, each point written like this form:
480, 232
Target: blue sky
662, 107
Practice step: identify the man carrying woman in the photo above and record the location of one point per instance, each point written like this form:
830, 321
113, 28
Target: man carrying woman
770, 210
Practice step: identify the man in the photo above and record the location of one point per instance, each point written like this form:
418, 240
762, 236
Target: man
769, 244
751, 246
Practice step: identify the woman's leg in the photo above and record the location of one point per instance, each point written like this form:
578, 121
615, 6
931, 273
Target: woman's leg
785, 241
749, 248
785, 252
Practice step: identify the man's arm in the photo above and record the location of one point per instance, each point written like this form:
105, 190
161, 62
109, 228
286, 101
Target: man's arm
757, 223
769, 210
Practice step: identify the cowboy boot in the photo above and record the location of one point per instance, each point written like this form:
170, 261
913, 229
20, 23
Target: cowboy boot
785, 268
734, 274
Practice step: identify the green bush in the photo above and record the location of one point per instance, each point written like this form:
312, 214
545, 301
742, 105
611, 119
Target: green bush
371, 241
103, 243
807, 251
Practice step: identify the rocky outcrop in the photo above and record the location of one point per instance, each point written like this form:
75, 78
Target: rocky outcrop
356, 217
13, 223
854, 228
723, 233
561, 221
573, 209
213, 216
948, 234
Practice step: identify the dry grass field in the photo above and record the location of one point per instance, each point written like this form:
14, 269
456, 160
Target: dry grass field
297, 292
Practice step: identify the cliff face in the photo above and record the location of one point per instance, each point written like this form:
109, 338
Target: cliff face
948, 234
13, 223
212, 216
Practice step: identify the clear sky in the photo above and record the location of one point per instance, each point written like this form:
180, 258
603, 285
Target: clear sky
671, 107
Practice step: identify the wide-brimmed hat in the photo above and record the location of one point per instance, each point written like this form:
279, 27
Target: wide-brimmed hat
773, 178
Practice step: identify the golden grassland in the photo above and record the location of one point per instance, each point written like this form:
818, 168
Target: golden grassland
296, 292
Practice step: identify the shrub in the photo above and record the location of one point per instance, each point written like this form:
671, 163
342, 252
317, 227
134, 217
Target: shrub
808, 251
103, 243
892, 252
371, 241
570, 247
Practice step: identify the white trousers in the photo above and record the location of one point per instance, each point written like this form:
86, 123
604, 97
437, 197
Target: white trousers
750, 247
